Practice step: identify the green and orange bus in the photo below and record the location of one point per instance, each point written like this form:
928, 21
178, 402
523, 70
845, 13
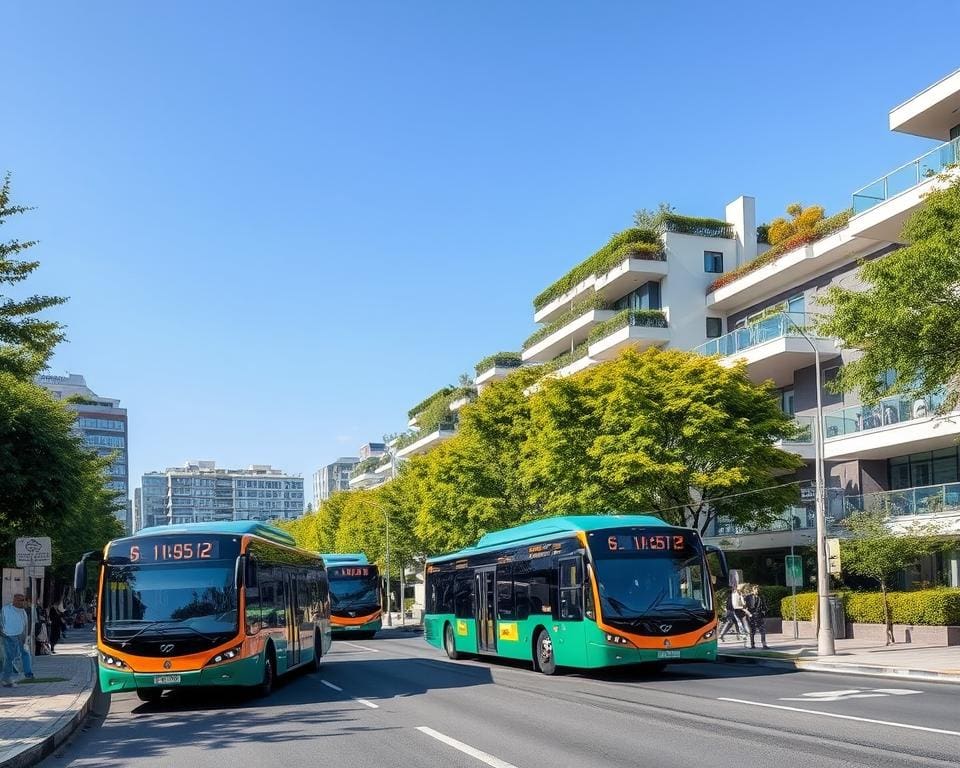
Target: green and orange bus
580, 591
356, 595
206, 604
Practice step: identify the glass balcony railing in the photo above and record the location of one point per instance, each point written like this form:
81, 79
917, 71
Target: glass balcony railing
804, 434
924, 500
889, 411
802, 519
907, 176
756, 333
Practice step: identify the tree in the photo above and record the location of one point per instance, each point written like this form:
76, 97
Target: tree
645, 218
877, 552
26, 342
801, 222
667, 433
907, 319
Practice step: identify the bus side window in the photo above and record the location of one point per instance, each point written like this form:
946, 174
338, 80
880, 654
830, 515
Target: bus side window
252, 587
571, 580
504, 592
521, 597
538, 584
463, 595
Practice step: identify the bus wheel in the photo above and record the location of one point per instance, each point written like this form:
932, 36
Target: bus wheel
149, 694
269, 673
317, 650
449, 644
544, 659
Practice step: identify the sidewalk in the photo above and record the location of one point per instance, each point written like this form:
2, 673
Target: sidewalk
854, 657
36, 717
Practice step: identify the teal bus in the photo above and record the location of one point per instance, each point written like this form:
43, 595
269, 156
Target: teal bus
580, 591
206, 604
356, 595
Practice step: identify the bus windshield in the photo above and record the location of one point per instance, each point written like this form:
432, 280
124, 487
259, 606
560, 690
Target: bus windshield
355, 592
198, 597
649, 573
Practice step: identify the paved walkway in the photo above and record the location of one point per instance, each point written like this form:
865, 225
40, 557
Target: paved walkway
910, 660
36, 717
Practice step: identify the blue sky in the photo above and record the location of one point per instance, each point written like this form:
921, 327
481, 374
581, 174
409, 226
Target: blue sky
282, 224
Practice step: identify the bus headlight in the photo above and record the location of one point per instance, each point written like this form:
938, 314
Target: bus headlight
223, 656
707, 635
616, 639
111, 661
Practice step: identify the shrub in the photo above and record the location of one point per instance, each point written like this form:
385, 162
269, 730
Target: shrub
499, 360
566, 358
773, 596
578, 310
927, 607
426, 402
806, 603
652, 318
695, 225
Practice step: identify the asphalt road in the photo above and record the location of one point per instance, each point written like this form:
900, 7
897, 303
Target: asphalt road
395, 701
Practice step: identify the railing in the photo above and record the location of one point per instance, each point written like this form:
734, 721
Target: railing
803, 519
756, 333
804, 434
923, 500
907, 176
888, 411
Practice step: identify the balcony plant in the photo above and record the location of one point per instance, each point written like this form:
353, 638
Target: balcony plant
499, 360
423, 404
579, 309
650, 318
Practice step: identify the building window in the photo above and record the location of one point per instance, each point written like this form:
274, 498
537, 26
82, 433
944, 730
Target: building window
647, 296
714, 327
926, 468
786, 401
712, 261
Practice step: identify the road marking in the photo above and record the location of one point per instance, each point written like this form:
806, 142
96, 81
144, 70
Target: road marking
357, 645
496, 762
854, 693
368, 703
843, 717
331, 685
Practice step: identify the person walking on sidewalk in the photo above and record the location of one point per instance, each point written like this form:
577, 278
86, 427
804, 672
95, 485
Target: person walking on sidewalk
732, 618
757, 608
56, 626
14, 626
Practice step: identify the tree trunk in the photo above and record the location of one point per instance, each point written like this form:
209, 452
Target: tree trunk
887, 616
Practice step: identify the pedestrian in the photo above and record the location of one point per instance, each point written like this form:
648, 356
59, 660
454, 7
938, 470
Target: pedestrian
730, 620
757, 608
56, 626
14, 626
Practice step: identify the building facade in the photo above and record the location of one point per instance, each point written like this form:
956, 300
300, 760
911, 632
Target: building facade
333, 478
102, 424
200, 492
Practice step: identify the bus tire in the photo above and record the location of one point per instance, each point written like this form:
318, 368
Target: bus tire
317, 653
449, 643
269, 672
543, 658
150, 695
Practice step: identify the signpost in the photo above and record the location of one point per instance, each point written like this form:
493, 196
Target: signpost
833, 556
34, 553
794, 564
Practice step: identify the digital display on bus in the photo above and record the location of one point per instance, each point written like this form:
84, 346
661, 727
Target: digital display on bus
350, 571
162, 550
648, 542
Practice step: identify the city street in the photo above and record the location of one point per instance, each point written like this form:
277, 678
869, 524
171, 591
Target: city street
397, 701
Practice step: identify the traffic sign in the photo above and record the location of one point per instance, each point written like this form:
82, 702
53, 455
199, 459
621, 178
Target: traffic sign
833, 556
34, 550
794, 571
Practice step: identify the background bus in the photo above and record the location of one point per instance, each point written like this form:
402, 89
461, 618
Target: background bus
206, 604
356, 595
585, 591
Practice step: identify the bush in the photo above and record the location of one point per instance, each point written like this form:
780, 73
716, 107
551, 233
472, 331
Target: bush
651, 318
695, 225
578, 310
421, 406
806, 603
500, 360
773, 596
927, 607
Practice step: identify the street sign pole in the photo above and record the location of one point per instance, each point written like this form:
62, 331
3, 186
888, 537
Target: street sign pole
33, 552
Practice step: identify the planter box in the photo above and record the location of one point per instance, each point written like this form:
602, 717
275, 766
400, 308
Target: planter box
903, 633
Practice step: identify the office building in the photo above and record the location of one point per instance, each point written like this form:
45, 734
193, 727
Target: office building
333, 478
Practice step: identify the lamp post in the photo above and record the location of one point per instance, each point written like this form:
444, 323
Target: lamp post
386, 520
825, 638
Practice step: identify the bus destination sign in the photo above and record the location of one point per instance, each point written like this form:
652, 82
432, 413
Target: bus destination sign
647, 542
349, 571
166, 550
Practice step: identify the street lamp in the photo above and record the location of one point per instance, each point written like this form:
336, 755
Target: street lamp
825, 638
386, 520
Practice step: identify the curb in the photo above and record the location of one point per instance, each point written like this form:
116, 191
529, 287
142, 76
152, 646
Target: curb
925, 675
46, 746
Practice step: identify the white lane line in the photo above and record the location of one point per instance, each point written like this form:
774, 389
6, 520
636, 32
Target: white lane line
357, 645
368, 703
331, 685
365, 702
844, 717
483, 757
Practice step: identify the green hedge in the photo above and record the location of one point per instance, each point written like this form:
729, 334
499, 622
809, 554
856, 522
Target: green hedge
499, 360
577, 310
696, 225
826, 227
927, 607
567, 357
422, 405
634, 242
650, 318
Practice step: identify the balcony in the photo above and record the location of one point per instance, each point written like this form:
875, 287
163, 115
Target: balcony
909, 502
426, 443
496, 367
932, 112
636, 328
802, 443
565, 333
882, 207
366, 479
773, 348
894, 426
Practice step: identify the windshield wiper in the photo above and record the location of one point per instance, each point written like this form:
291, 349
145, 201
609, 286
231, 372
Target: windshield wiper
149, 625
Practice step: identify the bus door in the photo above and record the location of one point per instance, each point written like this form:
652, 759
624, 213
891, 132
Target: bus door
293, 621
486, 610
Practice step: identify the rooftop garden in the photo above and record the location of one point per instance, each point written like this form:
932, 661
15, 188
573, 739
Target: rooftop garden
650, 318
785, 236
633, 243
695, 225
499, 360
367, 465
424, 404
579, 309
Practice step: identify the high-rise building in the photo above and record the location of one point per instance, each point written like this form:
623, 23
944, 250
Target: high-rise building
200, 492
364, 473
332, 478
102, 424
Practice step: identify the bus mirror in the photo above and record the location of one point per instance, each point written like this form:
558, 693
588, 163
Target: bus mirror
712, 549
238, 571
80, 576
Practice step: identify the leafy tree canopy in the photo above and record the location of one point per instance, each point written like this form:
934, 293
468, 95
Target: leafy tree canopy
802, 221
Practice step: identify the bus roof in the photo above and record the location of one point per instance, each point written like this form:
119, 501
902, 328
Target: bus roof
336, 558
229, 528
550, 528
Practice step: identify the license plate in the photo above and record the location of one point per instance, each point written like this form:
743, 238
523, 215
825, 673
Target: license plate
166, 679
668, 654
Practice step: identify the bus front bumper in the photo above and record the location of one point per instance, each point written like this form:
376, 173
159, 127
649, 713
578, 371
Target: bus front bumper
603, 654
247, 671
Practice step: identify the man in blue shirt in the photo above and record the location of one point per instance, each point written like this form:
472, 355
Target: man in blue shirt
14, 626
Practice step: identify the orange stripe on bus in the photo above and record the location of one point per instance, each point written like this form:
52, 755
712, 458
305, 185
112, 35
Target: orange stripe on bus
345, 621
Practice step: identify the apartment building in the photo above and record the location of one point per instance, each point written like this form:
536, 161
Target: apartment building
201, 492
102, 424
332, 478
365, 474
